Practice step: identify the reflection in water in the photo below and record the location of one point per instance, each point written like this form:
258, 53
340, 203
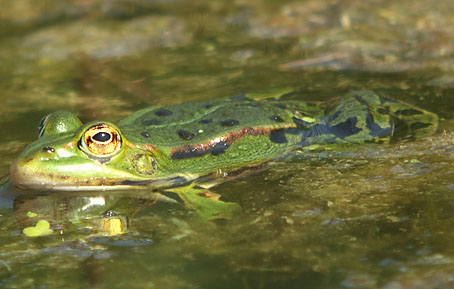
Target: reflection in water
84, 228
87, 213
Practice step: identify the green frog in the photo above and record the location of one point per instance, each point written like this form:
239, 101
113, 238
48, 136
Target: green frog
182, 150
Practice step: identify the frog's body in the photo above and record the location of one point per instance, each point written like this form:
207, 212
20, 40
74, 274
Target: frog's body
172, 146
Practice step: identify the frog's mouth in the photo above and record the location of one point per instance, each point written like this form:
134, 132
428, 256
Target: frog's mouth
23, 177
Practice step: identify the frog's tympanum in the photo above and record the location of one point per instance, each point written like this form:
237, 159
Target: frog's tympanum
180, 150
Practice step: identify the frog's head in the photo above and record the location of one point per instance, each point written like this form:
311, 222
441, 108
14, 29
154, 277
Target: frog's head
69, 155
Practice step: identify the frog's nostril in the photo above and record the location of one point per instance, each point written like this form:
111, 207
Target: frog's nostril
47, 149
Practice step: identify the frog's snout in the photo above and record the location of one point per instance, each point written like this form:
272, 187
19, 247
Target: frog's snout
21, 174
17, 174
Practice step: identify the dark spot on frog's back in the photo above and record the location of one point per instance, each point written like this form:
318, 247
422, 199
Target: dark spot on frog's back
151, 122
219, 148
278, 136
408, 112
180, 155
163, 112
229, 122
346, 128
194, 151
206, 121
186, 135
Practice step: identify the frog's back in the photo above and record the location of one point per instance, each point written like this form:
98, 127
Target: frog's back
240, 131
211, 127
363, 114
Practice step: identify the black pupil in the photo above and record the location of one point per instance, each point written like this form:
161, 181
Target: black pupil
102, 136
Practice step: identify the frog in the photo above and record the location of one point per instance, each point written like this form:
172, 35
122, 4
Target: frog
182, 150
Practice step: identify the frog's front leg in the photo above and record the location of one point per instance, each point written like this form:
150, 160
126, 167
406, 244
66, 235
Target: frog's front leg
205, 204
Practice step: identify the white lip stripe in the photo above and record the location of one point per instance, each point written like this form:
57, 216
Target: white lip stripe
63, 153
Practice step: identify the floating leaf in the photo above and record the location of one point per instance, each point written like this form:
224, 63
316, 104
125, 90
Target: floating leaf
31, 214
42, 228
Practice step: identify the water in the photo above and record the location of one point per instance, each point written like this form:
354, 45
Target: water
371, 217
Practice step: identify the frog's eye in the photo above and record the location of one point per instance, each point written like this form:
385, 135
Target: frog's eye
57, 123
101, 140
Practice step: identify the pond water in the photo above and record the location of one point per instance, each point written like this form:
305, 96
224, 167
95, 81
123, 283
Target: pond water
371, 216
